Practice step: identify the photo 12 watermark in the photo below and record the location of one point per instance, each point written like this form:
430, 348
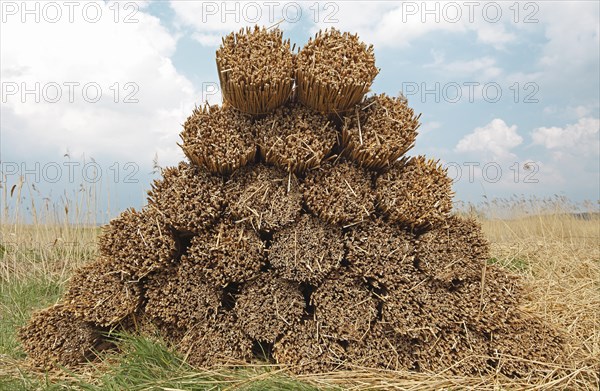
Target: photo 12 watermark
71, 172
470, 91
68, 92
493, 172
69, 11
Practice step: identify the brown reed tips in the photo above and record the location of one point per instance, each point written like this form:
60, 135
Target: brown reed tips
138, 242
307, 251
380, 253
379, 131
55, 336
295, 138
218, 139
182, 297
189, 199
102, 294
256, 70
227, 253
268, 307
334, 71
455, 251
340, 193
307, 350
216, 342
415, 192
344, 308
265, 198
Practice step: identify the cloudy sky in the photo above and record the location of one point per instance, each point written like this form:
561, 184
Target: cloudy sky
94, 92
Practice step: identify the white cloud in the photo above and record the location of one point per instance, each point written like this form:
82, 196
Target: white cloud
495, 138
579, 139
105, 52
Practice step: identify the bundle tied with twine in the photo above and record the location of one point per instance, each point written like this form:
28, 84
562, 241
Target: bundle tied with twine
218, 139
379, 131
334, 71
256, 70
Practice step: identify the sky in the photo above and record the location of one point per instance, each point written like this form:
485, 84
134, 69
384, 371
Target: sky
94, 94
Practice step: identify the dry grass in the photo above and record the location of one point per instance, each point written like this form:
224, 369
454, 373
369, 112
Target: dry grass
557, 254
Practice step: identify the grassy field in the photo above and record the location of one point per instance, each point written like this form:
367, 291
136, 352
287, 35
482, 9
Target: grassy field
558, 255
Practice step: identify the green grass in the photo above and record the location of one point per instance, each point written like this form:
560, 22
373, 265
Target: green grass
518, 265
142, 364
18, 299
138, 364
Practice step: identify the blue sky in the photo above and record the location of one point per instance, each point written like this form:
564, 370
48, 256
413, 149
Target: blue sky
509, 91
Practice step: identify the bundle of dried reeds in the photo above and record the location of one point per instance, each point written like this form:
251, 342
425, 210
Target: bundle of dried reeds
216, 342
54, 335
295, 138
218, 139
334, 71
308, 350
138, 242
415, 192
183, 298
227, 253
263, 197
268, 307
256, 70
379, 131
307, 251
99, 293
189, 199
379, 253
344, 308
340, 193
454, 251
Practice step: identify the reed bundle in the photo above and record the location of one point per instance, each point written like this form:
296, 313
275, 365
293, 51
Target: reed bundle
334, 71
379, 131
415, 192
340, 193
256, 70
218, 139
295, 138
